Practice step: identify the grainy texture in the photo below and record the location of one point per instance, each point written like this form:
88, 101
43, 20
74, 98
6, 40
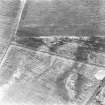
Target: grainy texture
8, 12
56, 57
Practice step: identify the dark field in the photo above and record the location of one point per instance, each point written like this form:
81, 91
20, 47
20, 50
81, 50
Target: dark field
62, 17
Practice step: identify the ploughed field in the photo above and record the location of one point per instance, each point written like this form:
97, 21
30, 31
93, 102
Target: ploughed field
62, 17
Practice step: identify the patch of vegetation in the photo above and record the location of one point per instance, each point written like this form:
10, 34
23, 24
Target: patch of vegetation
60, 42
94, 44
31, 42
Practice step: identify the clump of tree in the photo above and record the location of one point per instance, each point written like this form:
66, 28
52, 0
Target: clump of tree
93, 44
60, 42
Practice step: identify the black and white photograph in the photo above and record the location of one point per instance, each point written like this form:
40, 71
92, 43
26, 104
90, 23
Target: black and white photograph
52, 52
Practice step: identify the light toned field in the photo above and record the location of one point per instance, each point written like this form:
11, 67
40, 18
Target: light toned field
37, 78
